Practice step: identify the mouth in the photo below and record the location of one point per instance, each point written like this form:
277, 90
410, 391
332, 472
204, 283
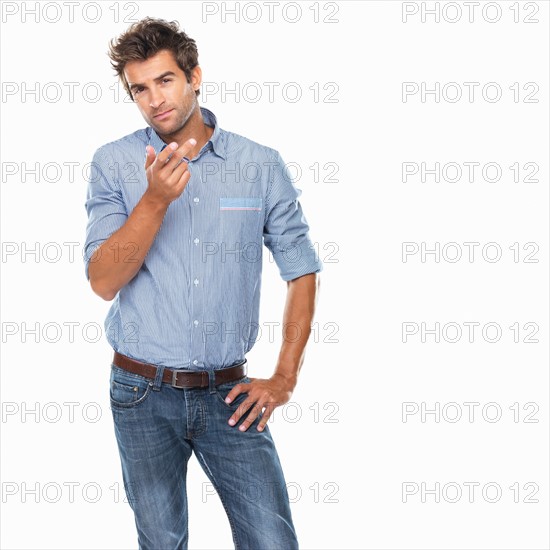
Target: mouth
163, 115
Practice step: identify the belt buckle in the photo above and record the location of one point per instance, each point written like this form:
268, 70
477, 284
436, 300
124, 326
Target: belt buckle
175, 378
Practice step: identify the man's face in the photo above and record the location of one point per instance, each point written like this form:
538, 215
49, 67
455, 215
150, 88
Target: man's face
164, 97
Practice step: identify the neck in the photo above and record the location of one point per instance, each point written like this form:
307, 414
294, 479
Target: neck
193, 128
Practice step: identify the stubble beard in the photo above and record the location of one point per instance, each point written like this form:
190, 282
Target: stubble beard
182, 119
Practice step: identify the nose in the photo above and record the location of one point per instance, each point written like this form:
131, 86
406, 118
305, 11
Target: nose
156, 98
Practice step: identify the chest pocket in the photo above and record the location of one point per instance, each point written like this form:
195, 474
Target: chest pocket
231, 204
241, 221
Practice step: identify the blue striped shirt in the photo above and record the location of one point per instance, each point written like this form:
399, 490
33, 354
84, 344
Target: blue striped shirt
194, 303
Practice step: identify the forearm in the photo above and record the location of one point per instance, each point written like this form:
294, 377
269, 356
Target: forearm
298, 315
120, 257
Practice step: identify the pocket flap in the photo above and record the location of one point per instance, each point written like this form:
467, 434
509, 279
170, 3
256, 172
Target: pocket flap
240, 203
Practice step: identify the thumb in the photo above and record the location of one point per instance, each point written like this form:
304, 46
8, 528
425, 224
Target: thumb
150, 156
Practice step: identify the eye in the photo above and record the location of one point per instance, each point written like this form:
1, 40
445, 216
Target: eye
137, 90
167, 80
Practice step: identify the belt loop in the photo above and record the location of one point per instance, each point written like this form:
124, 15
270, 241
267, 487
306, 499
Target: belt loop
211, 380
158, 378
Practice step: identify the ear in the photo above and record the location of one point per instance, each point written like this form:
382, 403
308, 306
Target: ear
196, 77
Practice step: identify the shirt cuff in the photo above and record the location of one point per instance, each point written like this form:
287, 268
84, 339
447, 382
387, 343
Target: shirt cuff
88, 253
296, 259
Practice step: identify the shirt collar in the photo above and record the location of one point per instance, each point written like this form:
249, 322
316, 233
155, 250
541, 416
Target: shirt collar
216, 141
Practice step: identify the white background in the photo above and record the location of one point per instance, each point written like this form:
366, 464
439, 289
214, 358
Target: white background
346, 465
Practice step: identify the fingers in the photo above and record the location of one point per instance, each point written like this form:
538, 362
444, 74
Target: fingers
236, 390
263, 408
150, 156
167, 172
171, 156
256, 408
174, 171
183, 177
269, 408
241, 410
180, 170
260, 403
254, 413
166, 152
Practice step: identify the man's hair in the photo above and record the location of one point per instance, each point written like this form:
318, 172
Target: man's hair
146, 38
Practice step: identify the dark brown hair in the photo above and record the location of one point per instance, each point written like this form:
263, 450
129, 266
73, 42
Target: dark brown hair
146, 38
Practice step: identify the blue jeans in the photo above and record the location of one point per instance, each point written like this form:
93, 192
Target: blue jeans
157, 428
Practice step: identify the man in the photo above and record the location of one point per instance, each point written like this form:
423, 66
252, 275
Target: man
177, 243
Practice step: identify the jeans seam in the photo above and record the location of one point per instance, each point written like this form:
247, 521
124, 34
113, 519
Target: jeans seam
133, 404
131, 375
232, 525
230, 406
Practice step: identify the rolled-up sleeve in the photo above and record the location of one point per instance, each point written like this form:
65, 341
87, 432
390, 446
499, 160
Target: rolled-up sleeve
286, 232
104, 204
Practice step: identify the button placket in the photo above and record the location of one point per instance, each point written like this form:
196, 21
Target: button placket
195, 201
196, 211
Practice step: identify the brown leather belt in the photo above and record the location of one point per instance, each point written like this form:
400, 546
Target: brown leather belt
181, 378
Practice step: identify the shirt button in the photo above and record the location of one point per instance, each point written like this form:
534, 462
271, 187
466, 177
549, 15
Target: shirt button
196, 323
195, 362
196, 241
196, 199
196, 282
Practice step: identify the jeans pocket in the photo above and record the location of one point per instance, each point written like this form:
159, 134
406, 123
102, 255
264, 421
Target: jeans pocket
223, 390
128, 390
